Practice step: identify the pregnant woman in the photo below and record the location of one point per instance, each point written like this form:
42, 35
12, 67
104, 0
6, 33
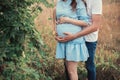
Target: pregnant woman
75, 50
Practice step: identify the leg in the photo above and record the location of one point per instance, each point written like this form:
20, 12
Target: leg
90, 65
66, 71
72, 70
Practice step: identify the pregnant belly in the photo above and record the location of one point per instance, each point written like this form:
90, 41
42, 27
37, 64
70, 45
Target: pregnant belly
61, 28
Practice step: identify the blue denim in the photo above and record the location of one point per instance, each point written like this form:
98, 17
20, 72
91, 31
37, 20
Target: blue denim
90, 64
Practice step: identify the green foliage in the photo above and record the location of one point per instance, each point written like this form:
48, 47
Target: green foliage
20, 42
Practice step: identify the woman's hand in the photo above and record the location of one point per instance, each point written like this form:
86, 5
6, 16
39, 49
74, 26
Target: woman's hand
55, 33
67, 38
62, 20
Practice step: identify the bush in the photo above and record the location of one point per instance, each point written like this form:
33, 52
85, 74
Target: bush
20, 42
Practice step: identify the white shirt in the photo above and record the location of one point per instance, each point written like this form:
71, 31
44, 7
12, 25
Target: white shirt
93, 7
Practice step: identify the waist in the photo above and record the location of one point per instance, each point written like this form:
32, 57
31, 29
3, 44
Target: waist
92, 37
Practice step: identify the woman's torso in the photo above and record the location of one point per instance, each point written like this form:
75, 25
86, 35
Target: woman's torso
65, 9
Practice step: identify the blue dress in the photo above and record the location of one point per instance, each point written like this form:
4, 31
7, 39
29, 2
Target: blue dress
74, 50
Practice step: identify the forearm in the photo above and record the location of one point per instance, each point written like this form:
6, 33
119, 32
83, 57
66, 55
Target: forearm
54, 19
86, 31
77, 22
96, 23
54, 25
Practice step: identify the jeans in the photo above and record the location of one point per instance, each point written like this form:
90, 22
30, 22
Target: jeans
90, 64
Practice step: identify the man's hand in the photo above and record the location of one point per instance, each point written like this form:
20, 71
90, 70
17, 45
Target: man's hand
67, 38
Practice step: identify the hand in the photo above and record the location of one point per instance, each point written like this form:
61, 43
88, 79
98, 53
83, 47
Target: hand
63, 20
67, 38
57, 22
55, 33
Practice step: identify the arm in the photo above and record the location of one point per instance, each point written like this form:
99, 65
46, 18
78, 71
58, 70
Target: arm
96, 21
95, 18
81, 14
72, 21
54, 21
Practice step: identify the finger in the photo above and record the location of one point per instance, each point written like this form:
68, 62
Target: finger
58, 38
60, 21
61, 39
56, 34
67, 33
57, 22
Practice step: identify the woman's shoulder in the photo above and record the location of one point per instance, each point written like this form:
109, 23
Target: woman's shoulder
59, 1
80, 4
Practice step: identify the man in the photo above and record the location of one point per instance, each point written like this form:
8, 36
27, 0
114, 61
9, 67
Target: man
94, 9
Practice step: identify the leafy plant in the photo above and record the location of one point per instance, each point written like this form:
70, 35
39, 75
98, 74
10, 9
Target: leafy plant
20, 42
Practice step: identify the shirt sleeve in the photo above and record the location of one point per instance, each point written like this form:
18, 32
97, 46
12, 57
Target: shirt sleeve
97, 7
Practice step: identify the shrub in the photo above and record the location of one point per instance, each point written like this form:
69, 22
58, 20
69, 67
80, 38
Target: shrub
20, 42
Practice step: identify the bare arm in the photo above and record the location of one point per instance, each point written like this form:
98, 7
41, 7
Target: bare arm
96, 21
54, 18
54, 21
73, 21
82, 16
